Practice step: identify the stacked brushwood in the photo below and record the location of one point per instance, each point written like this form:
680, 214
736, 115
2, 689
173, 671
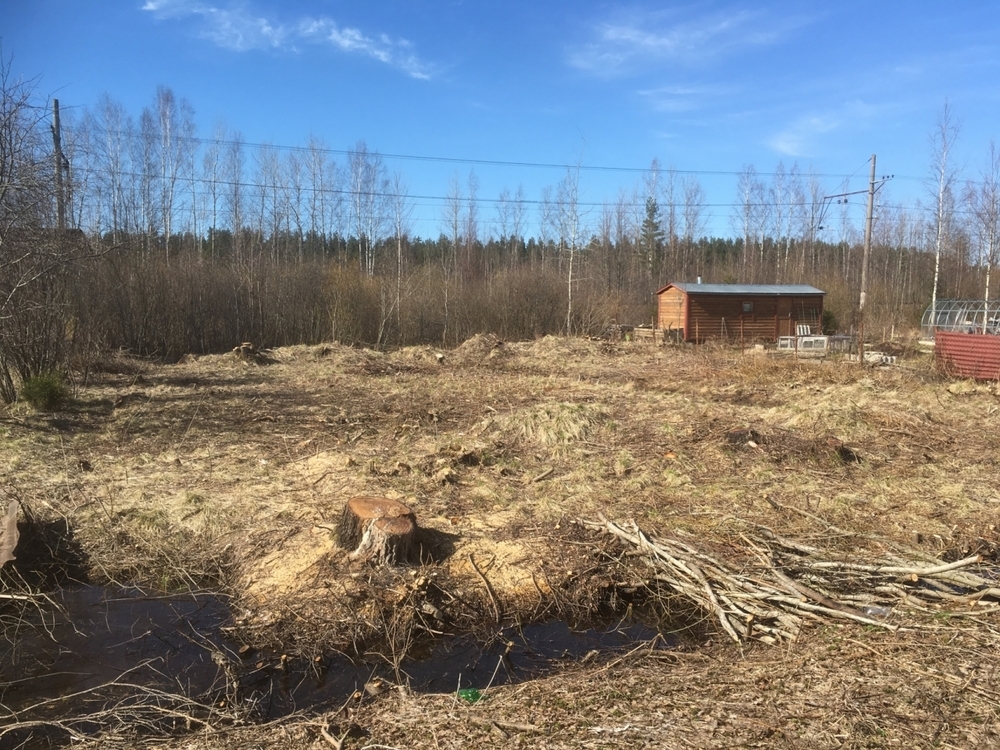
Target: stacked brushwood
790, 584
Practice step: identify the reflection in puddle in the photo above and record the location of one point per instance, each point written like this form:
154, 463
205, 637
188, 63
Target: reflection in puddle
175, 644
101, 634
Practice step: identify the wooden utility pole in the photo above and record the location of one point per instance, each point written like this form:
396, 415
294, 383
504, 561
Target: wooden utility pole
57, 143
869, 218
864, 264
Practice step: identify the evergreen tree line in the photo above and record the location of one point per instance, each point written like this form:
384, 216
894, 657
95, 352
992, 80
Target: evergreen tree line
176, 245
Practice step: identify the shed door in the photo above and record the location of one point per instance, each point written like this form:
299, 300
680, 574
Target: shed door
785, 325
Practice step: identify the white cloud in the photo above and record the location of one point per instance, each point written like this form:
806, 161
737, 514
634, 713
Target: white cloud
810, 134
681, 98
241, 32
800, 138
635, 41
395, 52
234, 26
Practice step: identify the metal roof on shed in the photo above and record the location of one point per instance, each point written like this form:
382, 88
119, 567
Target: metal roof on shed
746, 289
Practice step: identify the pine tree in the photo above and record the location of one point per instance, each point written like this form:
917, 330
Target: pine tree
651, 237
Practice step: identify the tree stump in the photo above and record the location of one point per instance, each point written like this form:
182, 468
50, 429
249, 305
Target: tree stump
378, 530
246, 351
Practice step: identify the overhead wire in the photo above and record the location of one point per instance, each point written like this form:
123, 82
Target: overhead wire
388, 194
312, 148
436, 201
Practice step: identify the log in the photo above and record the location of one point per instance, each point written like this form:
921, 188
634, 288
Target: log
379, 530
8, 534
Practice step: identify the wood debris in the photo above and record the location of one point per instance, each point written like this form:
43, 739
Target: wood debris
785, 585
8, 534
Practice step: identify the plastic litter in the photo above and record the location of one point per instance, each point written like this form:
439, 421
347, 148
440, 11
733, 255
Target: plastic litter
470, 695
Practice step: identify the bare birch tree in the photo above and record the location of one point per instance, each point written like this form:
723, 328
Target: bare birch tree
510, 222
944, 175
174, 126
112, 137
234, 198
295, 199
402, 209
211, 176
694, 222
779, 196
267, 185
809, 198
614, 234
517, 219
471, 265
452, 220
984, 199
326, 203
751, 222
368, 191
145, 160
548, 221
672, 256
569, 232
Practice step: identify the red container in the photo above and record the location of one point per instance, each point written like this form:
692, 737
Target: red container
968, 355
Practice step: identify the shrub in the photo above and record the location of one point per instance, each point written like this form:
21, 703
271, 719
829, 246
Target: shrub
46, 392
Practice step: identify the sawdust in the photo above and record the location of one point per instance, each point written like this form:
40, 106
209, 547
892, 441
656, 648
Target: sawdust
512, 568
285, 571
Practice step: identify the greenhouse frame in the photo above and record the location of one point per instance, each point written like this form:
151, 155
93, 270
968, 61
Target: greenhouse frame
961, 316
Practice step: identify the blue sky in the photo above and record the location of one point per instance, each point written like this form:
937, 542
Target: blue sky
707, 87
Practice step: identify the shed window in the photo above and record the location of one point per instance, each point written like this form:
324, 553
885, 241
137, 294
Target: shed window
748, 307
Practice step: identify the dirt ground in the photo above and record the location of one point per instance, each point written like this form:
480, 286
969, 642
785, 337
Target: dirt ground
218, 472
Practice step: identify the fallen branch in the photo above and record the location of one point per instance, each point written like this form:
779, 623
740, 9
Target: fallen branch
542, 476
513, 726
489, 587
334, 742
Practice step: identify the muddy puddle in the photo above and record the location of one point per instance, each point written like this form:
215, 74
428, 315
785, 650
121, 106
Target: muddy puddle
106, 645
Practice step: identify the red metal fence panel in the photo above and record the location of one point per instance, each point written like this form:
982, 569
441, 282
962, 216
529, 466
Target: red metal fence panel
968, 355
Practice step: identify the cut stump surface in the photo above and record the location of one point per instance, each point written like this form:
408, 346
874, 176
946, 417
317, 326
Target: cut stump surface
378, 529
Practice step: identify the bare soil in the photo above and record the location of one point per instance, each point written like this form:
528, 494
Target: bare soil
231, 474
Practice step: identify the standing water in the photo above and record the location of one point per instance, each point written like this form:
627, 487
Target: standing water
138, 652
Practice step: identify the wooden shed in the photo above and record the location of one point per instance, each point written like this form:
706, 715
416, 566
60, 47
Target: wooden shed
734, 312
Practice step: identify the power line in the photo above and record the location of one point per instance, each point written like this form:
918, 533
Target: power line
261, 186
483, 162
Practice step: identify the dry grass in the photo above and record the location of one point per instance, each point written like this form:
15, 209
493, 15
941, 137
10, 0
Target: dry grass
233, 473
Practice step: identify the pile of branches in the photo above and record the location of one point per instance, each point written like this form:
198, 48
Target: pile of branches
117, 707
784, 585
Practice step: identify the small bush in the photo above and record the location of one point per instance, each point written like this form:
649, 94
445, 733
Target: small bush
46, 392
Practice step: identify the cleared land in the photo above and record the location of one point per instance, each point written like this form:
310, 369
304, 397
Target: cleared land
229, 473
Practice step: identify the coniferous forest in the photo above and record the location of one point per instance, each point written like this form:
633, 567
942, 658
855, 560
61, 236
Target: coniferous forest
140, 233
